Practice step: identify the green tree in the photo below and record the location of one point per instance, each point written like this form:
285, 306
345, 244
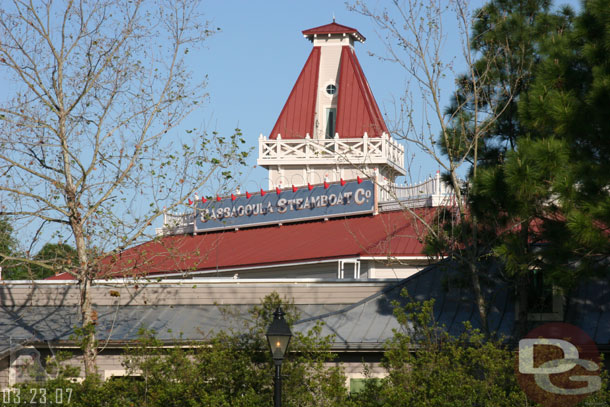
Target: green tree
522, 195
53, 258
235, 368
570, 100
7, 248
428, 367
484, 126
499, 43
232, 368
549, 199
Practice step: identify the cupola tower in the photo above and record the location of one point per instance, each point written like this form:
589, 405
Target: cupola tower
331, 127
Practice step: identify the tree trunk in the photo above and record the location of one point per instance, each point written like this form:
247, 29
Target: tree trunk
480, 301
522, 304
523, 284
88, 315
89, 342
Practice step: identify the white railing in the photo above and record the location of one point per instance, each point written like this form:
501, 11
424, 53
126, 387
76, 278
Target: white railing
432, 192
380, 150
177, 224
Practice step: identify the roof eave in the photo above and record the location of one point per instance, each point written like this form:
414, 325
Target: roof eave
356, 35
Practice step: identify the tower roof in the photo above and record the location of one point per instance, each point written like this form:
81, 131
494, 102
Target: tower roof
333, 28
357, 110
298, 115
349, 96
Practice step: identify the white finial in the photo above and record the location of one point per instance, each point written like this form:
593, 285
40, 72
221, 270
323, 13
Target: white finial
333, 16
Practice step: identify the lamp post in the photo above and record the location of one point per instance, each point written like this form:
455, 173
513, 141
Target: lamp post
278, 336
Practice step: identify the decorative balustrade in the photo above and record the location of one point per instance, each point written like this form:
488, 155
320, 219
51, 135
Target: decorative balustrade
377, 150
176, 224
432, 192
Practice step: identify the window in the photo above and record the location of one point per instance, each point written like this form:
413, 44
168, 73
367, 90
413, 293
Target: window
357, 385
540, 293
545, 301
331, 121
331, 89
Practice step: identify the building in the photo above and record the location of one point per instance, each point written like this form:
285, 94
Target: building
331, 234
333, 209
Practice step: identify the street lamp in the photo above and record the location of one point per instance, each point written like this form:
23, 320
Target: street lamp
278, 336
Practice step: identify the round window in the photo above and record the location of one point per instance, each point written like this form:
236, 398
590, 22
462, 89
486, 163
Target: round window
331, 89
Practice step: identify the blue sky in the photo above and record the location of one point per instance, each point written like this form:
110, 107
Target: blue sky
253, 62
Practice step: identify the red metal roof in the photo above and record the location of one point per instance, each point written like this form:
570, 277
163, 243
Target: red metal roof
297, 117
61, 276
357, 110
334, 28
388, 234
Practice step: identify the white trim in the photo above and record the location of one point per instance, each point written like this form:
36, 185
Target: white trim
382, 258
223, 270
277, 265
119, 373
152, 281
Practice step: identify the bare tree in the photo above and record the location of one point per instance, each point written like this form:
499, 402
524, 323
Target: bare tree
413, 32
93, 142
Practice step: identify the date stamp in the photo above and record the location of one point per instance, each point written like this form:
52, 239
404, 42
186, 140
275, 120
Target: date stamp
36, 396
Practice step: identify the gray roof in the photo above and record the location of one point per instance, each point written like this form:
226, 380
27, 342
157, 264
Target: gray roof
364, 325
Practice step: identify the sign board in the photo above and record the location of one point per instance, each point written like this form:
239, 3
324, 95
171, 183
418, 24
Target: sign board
288, 206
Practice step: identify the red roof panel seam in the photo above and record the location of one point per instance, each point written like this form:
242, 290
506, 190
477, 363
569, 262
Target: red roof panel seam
359, 75
372, 96
288, 105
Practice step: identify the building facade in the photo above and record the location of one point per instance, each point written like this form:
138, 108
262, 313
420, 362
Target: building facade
331, 234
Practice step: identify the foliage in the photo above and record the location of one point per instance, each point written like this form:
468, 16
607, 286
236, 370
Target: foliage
51, 259
426, 366
505, 38
542, 204
511, 204
8, 247
235, 368
499, 51
231, 369
570, 100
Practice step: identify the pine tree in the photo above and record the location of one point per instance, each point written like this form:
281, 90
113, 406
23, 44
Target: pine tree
506, 35
553, 191
485, 119
571, 100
